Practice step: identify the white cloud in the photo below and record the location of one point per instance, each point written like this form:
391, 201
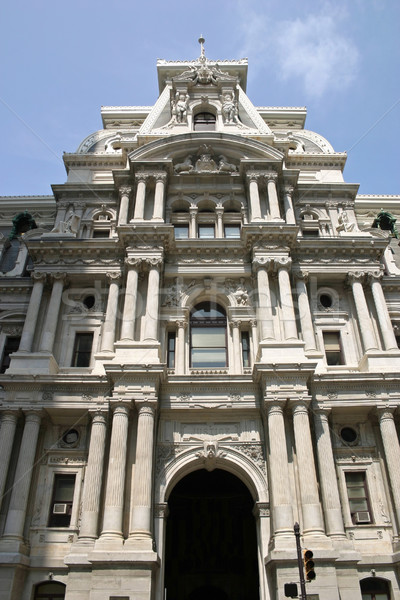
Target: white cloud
312, 50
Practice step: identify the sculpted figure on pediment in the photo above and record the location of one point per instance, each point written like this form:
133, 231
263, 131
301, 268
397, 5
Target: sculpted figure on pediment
230, 111
186, 166
69, 226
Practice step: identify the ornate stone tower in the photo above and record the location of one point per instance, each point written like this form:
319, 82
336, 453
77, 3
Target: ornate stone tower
199, 349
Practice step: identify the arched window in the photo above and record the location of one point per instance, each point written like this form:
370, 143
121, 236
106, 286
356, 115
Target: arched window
208, 336
374, 588
204, 122
50, 590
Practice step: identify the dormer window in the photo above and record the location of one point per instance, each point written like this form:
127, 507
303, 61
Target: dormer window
204, 122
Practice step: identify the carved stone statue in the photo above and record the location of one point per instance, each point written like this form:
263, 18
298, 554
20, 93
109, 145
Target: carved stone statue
344, 223
230, 112
185, 166
225, 166
179, 107
69, 226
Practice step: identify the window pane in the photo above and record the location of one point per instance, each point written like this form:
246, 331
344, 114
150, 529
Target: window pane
206, 310
232, 231
82, 350
206, 337
206, 357
206, 231
181, 232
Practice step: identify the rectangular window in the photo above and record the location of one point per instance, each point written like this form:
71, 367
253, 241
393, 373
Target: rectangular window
82, 349
232, 232
206, 231
11, 345
245, 349
208, 347
101, 233
358, 498
181, 232
333, 348
171, 350
61, 504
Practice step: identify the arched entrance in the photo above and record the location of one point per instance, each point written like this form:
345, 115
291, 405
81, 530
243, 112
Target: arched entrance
211, 542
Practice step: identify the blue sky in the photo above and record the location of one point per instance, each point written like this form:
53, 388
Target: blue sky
62, 61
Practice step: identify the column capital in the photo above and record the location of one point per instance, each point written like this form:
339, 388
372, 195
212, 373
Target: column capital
181, 324
374, 276
133, 261
154, 262
38, 276
285, 262
113, 277
160, 176
261, 509
254, 176
271, 176
274, 406
288, 189
59, 276
253, 322
161, 510
10, 415
386, 413
301, 275
235, 324
125, 190
262, 262
98, 415
119, 407
141, 176
33, 416
356, 277
146, 407
299, 405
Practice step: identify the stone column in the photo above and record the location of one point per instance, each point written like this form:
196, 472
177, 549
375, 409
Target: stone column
32, 313
265, 317
143, 478
286, 299
158, 212
310, 506
7, 432
307, 327
254, 338
114, 500
180, 348
254, 195
288, 205
282, 512
153, 299
237, 363
193, 210
53, 309
364, 320
129, 314
138, 214
93, 478
108, 336
14, 527
273, 199
220, 229
327, 476
124, 192
389, 339
392, 454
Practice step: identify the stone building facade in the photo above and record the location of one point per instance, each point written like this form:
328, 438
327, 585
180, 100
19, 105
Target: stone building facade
198, 337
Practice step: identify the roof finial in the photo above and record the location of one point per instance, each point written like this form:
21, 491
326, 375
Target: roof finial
201, 42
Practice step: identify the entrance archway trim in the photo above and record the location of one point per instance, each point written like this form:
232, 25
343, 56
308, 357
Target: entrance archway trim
227, 458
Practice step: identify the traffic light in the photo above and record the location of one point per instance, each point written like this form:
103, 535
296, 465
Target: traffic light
309, 565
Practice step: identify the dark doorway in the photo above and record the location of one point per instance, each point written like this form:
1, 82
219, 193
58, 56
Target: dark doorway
211, 542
